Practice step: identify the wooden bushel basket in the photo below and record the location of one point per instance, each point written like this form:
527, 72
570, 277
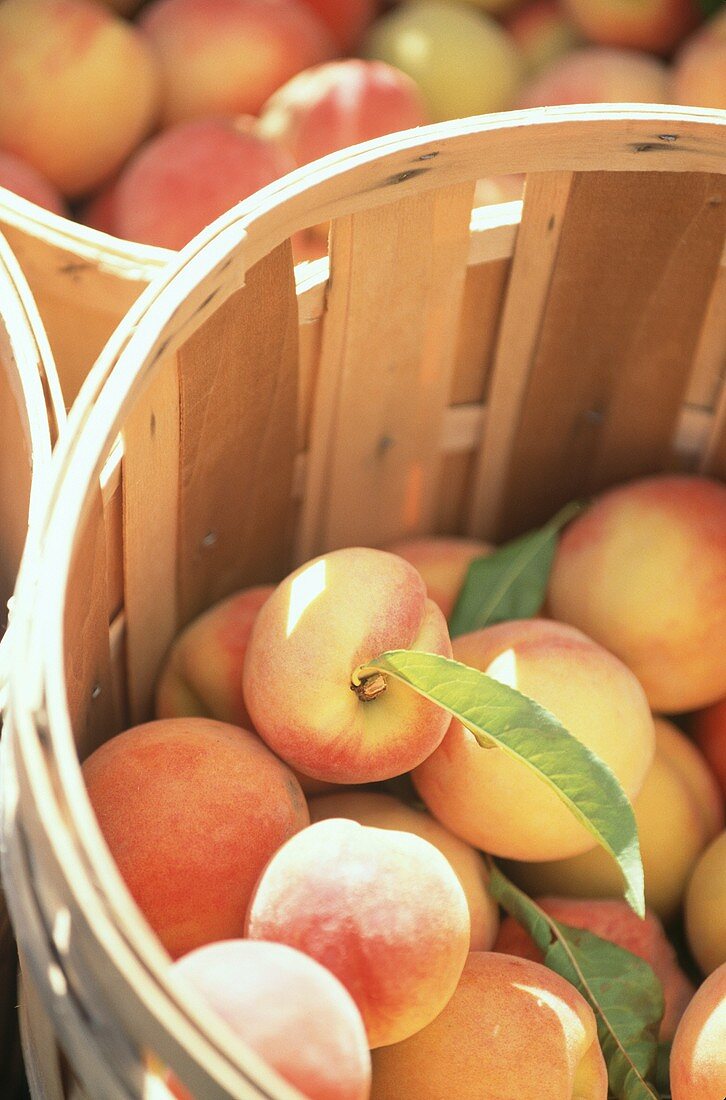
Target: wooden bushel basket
83, 281
443, 374
31, 411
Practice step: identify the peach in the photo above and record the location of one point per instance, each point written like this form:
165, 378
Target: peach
643, 572
328, 618
381, 811
543, 33
346, 22
290, 1010
99, 212
612, 920
699, 72
226, 57
595, 74
26, 181
191, 811
678, 811
475, 792
705, 907
654, 25
443, 563
342, 103
185, 177
202, 674
79, 89
381, 909
463, 61
709, 732
513, 1029
698, 1055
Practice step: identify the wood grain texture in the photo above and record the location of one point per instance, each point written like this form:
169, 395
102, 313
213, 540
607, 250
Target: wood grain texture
238, 406
394, 301
637, 258
481, 307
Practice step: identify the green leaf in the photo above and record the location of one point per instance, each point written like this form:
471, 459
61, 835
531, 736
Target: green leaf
621, 988
498, 715
511, 583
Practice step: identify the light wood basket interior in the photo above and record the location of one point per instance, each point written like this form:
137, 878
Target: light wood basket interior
442, 372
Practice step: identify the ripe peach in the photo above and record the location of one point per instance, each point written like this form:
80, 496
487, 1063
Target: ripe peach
678, 811
339, 104
24, 180
191, 811
202, 674
612, 920
709, 732
475, 791
79, 89
543, 33
643, 572
322, 623
382, 909
290, 1010
705, 907
346, 22
462, 60
513, 1029
185, 177
655, 25
226, 57
443, 564
698, 1055
699, 72
595, 74
381, 811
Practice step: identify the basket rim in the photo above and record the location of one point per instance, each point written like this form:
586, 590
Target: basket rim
163, 317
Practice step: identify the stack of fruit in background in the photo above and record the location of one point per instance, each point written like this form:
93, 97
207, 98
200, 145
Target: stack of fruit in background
271, 816
150, 129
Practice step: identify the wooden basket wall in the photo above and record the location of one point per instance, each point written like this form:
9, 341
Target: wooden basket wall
83, 281
441, 374
31, 410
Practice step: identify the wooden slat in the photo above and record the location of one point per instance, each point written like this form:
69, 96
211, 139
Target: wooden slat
150, 507
714, 457
607, 382
709, 367
238, 383
85, 637
545, 201
481, 308
385, 370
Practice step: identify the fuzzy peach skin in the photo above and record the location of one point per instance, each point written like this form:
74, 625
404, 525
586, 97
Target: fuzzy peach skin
24, 180
463, 61
543, 32
290, 1010
598, 74
382, 909
321, 623
478, 793
191, 811
643, 571
709, 732
345, 21
677, 811
226, 57
79, 89
513, 1030
698, 1055
381, 811
654, 25
341, 103
612, 920
705, 907
699, 69
184, 178
443, 564
202, 674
